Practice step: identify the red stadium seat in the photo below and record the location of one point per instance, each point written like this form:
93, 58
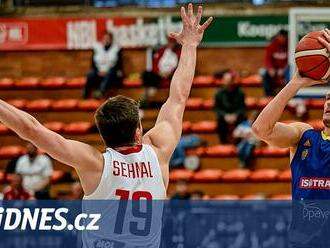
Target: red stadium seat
6, 83
317, 124
251, 102
203, 81
281, 197
226, 197
218, 82
76, 83
271, 152
196, 151
132, 83
285, 175
186, 126
8, 152
236, 175
77, 128
263, 102
30, 83
315, 103
194, 103
89, 105
253, 197
65, 105
18, 103
207, 175
181, 174
4, 130
204, 127
53, 83
39, 105
253, 80
221, 151
264, 175
2, 177
55, 126
208, 104
57, 176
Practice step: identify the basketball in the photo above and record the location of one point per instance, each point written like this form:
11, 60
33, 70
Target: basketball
312, 58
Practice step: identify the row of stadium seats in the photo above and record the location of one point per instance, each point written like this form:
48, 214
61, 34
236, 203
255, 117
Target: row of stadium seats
234, 175
194, 103
56, 177
218, 151
79, 82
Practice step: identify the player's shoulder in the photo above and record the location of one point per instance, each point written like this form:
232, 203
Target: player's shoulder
301, 127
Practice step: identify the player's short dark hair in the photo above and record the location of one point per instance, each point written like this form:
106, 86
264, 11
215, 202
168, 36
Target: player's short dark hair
117, 120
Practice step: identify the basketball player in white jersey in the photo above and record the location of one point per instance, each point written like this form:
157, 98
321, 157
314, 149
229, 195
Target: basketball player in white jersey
134, 166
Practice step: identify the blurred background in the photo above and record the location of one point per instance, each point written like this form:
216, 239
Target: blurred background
59, 59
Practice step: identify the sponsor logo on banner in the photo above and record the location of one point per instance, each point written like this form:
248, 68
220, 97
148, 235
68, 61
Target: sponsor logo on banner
314, 183
13, 33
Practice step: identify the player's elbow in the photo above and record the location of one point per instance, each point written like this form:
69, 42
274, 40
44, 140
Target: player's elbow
261, 131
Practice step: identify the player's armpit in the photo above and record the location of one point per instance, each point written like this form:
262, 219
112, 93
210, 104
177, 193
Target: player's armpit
286, 135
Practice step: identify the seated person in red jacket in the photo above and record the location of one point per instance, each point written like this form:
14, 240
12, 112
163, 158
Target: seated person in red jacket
164, 62
16, 191
276, 63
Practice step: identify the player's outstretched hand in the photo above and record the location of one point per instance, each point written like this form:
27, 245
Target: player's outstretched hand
192, 32
325, 40
305, 81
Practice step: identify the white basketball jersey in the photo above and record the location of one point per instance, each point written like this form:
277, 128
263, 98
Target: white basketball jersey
135, 170
132, 175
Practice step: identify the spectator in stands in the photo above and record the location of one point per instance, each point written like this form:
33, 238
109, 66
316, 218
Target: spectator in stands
181, 191
16, 191
36, 171
229, 105
77, 191
197, 195
106, 67
248, 141
276, 60
164, 62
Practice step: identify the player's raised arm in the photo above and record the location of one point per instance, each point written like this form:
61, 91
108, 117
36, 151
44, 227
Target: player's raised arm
70, 152
267, 126
167, 131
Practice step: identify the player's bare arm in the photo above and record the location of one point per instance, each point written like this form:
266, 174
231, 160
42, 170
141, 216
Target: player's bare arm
84, 158
267, 126
167, 131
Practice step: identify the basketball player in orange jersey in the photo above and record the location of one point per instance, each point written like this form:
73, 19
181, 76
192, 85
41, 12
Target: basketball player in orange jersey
309, 148
134, 166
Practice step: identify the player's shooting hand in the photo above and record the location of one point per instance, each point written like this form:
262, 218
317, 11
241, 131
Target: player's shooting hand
192, 32
325, 40
305, 81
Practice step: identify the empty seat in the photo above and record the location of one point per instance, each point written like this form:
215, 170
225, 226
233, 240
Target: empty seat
53, 83
18, 103
57, 176
252, 80
4, 130
203, 81
221, 151
55, 126
8, 152
186, 126
207, 175
226, 197
236, 175
65, 105
253, 197
195, 151
264, 175
181, 174
317, 124
208, 104
263, 102
89, 105
285, 175
204, 127
315, 103
195, 103
39, 105
30, 82
132, 83
281, 197
76, 83
251, 102
271, 151
77, 128
6, 83
2, 177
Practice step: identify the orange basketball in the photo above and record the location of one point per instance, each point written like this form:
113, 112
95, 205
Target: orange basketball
312, 58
